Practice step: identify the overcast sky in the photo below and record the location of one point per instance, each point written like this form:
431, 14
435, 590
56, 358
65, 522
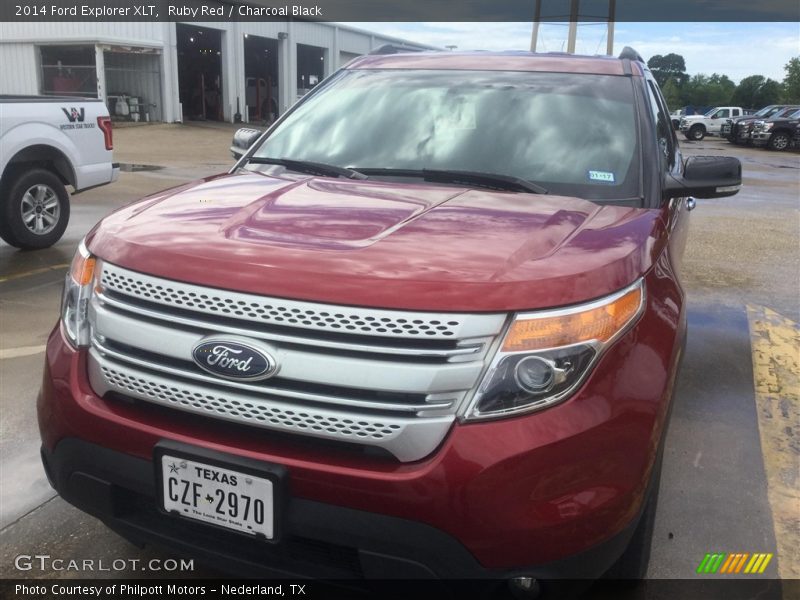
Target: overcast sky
734, 49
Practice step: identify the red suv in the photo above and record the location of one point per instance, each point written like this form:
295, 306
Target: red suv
428, 325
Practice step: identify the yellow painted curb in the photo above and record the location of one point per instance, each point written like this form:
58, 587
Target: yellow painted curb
775, 344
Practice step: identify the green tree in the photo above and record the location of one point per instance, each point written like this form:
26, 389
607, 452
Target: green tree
709, 90
757, 92
672, 94
696, 91
747, 90
721, 89
791, 83
666, 67
769, 93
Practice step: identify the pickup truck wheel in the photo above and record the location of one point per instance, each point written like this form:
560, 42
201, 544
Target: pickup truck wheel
696, 133
779, 141
34, 211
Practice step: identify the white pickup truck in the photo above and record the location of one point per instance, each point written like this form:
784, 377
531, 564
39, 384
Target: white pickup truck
696, 127
47, 144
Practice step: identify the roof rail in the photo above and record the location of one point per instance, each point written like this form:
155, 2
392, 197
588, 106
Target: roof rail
394, 49
630, 54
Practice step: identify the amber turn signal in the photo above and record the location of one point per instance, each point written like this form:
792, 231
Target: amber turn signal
82, 269
599, 323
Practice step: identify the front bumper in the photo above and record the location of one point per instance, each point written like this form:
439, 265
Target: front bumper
760, 138
531, 494
319, 540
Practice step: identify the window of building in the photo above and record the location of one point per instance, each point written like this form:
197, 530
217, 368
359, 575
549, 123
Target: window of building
68, 71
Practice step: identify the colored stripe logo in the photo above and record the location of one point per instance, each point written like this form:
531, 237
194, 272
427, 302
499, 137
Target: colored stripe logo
737, 562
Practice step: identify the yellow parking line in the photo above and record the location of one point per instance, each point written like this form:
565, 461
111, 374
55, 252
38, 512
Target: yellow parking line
33, 272
776, 372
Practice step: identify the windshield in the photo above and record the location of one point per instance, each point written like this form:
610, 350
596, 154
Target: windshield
709, 113
574, 134
795, 114
767, 111
789, 113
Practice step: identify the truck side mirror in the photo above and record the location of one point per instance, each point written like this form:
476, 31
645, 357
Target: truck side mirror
243, 139
706, 177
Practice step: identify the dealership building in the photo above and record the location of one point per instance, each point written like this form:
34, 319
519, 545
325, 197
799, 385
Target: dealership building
150, 71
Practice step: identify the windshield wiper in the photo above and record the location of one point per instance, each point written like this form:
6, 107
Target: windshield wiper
493, 181
308, 166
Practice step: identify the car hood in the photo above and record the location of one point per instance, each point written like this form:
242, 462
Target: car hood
370, 243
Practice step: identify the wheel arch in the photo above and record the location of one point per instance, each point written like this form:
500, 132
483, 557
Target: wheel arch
45, 157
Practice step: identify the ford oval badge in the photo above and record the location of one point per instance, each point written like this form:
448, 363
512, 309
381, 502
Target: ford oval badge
234, 358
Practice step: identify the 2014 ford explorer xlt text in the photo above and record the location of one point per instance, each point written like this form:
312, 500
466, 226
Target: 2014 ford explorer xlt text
429, 324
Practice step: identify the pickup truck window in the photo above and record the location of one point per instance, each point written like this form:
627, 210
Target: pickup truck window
573, 134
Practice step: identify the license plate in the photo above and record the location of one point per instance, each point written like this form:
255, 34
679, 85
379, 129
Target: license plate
217, 493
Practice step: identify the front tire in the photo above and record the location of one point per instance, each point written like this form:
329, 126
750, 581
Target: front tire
696, 133
779, 141
34, 210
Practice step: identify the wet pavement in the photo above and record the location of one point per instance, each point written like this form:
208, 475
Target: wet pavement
719, 471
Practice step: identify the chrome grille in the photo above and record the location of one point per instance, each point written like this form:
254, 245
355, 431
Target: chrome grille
276, 311
385, 385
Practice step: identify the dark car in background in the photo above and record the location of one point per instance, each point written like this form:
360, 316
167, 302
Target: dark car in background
738, 131
778, 132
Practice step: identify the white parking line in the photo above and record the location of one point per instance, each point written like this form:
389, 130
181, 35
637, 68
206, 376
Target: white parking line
21, 351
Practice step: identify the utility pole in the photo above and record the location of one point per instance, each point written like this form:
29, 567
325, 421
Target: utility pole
572, 33
537, 15
612, 7
573, 26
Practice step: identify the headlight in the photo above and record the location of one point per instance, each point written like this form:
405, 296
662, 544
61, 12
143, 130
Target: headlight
767, 126
546, 355
78, 289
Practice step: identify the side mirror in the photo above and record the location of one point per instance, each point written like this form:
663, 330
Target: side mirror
243, 139
706, 177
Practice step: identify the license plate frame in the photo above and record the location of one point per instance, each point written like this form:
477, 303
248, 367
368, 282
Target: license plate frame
275, 474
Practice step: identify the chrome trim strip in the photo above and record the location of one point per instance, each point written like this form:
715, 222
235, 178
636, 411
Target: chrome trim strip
301, 365
408, 439
263, 390
276, 337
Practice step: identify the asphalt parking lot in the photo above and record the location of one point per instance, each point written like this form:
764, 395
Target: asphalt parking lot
731, 481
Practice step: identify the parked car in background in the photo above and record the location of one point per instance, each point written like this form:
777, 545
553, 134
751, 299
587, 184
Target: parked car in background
47, 144
776, 133
675, 117
399, 342
696, 127
738, 130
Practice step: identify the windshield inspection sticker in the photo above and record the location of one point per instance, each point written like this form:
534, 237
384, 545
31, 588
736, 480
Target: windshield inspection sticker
603, 176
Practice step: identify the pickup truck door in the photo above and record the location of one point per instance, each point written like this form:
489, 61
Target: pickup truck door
717, 120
